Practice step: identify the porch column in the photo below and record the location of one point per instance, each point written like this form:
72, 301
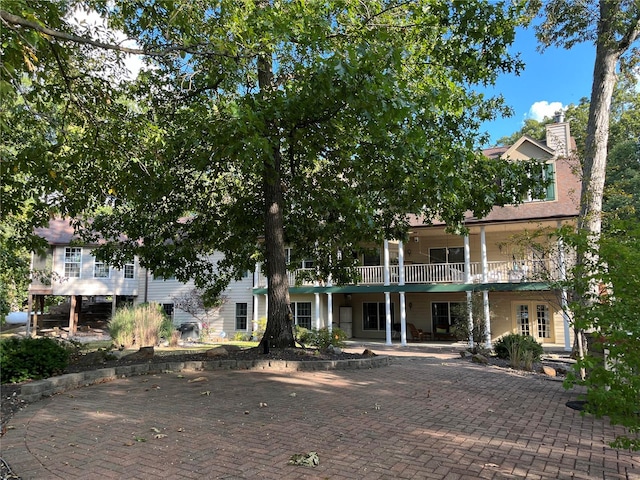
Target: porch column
403, 303
329, 306
114, 302
485, 303
483, 253
72, 315
485, 293
254, 322
467, 280
564, 298
30, 317
317, 298
467, 260
387, 295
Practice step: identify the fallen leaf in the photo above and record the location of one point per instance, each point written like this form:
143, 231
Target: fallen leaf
263, 404
154, 429
199, 379
140, 439
160, 435
129, 443
305, 459
293, 394
206, 392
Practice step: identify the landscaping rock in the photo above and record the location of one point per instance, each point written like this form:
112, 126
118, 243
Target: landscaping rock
481, 359
145, 353
368, 353
217, 352
549, 371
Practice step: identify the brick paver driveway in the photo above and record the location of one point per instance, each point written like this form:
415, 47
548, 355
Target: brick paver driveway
428, 415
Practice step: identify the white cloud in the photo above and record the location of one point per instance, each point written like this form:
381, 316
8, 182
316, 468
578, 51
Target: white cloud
542, 109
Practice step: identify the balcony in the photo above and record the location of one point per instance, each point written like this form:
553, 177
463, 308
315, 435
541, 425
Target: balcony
497, 272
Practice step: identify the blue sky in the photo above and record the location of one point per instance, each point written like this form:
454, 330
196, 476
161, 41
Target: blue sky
556, 75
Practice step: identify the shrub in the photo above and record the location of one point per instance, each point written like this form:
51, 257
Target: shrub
323, 338
521, 350
31, 358
142, 325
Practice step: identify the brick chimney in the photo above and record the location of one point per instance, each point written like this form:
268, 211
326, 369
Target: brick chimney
559, 136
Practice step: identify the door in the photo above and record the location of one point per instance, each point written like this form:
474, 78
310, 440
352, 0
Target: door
534, 319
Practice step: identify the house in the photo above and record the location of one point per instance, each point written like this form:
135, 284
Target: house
422, 282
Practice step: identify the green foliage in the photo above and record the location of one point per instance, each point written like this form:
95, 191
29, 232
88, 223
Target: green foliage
321, 339
31, 358
142, 325
613, 386
521, 350
241, 337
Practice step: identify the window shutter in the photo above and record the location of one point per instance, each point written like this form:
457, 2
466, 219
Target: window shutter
550, 176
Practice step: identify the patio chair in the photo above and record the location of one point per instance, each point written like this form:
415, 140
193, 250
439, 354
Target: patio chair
416, 333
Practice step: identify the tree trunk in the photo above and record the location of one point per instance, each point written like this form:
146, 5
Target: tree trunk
279, 330
595, 161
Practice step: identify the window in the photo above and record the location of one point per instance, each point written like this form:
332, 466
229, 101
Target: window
241, 316
168, 309
445, 314
302, 314
374, 316
288, 252
72, 262
371, 259
129, 270
100, 269
548, 193
446, 255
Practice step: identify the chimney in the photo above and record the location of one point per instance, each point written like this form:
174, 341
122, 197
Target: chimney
559, 136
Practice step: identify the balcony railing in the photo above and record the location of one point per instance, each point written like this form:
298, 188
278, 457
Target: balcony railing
497, 272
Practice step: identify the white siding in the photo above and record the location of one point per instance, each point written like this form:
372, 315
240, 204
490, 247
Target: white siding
86, 285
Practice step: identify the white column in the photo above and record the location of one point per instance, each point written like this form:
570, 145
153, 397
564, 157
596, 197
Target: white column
467, 260
487, 317
467, 280
485, 293
387, 295
564, 299
403, 303
387, 276
470, 316
329, 305
317, 298
483, 253
254, 323
387, 311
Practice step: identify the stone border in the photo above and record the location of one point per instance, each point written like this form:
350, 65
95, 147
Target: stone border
31, 392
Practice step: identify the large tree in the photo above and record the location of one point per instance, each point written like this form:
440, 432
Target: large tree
262, 124
613, 26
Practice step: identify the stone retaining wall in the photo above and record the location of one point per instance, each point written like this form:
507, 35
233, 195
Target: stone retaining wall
31, 392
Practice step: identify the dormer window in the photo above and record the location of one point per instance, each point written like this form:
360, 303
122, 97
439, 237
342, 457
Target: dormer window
549, 193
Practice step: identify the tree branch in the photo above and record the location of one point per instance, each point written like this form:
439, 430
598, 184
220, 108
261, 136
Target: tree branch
631, 35
14, 20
